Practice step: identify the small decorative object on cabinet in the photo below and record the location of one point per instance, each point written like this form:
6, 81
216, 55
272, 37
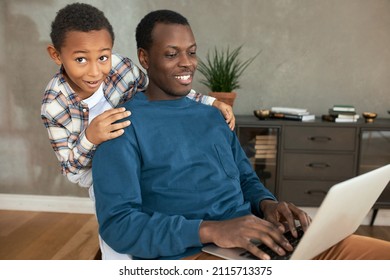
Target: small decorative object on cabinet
369, 116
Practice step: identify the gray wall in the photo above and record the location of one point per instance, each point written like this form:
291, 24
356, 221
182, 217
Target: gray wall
315, 53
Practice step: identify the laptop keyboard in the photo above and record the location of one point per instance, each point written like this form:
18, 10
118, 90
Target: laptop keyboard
274, 256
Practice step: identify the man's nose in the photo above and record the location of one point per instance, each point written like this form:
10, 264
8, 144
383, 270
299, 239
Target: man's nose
185, 60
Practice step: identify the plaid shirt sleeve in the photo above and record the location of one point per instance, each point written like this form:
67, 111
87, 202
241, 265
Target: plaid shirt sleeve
125, 80
205, 99
64, 123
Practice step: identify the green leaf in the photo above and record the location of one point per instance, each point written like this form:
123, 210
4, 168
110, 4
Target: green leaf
222, 69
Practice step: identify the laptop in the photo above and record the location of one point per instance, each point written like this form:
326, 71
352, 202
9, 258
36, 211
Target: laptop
339, 215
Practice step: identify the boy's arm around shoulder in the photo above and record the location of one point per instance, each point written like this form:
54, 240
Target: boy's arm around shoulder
198, 97
127, 77
225, 109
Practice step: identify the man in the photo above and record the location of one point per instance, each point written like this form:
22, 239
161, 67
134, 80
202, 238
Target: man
177, 178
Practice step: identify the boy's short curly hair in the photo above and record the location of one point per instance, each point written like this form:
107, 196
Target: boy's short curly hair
78, 17
143, 32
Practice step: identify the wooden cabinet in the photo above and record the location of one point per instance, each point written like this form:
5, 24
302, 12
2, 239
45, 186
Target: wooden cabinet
313, 156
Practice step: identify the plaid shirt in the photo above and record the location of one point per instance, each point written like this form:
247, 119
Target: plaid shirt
65, 115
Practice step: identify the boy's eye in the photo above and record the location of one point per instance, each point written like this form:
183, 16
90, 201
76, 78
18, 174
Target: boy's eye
103, 58
81, 60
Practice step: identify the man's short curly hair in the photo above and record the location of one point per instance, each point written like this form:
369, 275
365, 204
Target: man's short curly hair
143, 32
78, 17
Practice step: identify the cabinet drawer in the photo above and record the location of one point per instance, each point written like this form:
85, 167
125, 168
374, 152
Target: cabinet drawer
304, 193
318, 166
320, 138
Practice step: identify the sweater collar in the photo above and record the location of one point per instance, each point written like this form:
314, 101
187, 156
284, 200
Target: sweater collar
179, 102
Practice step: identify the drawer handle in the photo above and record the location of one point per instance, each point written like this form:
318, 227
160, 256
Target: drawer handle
318, 165
316, 192
320, 138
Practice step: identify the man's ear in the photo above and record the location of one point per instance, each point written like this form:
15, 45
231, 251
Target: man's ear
143, 58
54, 54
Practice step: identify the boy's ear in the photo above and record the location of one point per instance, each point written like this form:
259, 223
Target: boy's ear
143, 58
54, 54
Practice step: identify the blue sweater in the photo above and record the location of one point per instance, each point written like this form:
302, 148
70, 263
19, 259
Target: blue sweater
177, 164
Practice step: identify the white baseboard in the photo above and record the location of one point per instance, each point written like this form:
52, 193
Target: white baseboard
46, 203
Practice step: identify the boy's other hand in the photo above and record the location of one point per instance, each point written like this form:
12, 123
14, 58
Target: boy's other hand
104, 126
227, 112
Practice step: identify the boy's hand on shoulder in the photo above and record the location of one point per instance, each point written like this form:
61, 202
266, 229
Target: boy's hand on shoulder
103, 127
227, 112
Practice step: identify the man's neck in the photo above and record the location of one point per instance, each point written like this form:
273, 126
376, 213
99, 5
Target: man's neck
161, 95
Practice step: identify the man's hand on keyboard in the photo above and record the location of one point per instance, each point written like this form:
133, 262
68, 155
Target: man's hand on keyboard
282, 213
240, 232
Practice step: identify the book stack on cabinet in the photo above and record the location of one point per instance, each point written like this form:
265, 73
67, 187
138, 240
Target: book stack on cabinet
341, 113
265, 146
289, 113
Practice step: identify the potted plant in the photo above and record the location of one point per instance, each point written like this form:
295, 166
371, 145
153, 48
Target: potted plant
222, 70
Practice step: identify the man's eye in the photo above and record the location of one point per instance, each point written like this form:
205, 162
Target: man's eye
171, 55
103, 58
192, 53
81, 60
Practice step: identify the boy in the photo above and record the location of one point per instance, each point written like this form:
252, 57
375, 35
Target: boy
79, 104
91, 82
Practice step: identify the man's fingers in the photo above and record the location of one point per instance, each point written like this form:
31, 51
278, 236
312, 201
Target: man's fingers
278, 247
254, 250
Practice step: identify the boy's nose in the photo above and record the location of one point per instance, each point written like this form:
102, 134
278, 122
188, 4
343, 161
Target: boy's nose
94, 69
